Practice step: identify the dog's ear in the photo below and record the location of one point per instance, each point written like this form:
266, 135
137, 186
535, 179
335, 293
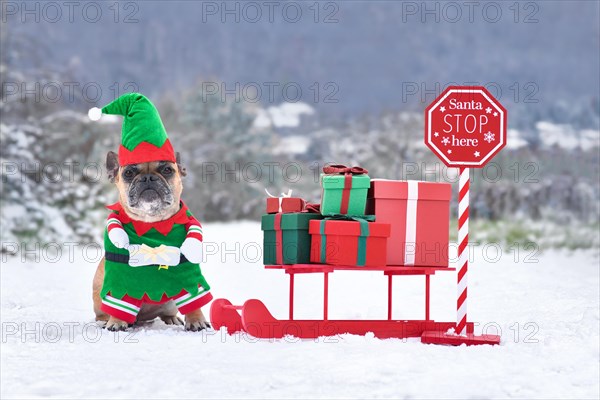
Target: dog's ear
112, 165
182, 170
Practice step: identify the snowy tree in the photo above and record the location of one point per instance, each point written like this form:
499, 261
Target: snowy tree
223, 152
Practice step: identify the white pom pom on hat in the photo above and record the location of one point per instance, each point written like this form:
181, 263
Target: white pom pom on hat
95, 113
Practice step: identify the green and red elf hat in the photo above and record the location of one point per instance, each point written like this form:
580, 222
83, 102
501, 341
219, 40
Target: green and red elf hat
143, 135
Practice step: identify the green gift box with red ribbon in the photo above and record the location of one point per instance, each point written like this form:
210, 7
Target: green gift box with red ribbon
344, 190
286, 238
349, 240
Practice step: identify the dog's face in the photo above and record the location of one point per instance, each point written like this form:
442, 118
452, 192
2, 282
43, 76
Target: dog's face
149, 191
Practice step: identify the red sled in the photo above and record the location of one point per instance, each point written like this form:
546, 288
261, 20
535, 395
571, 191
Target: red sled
254, 318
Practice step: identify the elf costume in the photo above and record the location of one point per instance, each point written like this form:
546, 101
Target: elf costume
149, 262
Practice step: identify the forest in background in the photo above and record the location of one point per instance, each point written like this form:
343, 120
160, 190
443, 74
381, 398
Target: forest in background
543, 188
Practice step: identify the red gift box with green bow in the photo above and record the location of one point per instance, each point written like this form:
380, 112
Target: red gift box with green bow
349, 240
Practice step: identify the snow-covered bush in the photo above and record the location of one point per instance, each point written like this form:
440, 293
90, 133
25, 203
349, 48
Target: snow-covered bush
53, 181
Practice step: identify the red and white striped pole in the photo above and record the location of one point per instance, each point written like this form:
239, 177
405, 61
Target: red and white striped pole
463, 251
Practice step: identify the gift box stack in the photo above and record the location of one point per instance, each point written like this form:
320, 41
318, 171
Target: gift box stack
286, 239
360, 222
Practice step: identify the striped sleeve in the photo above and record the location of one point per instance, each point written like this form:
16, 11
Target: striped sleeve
113, 222
193, 229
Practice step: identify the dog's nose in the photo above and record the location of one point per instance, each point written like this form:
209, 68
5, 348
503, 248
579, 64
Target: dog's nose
148, 178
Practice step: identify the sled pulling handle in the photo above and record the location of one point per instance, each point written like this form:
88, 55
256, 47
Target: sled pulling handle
232, 307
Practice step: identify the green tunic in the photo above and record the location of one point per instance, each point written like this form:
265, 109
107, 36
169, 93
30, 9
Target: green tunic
121, 279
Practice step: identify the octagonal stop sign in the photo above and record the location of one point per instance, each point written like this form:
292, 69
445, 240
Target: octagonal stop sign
465, 126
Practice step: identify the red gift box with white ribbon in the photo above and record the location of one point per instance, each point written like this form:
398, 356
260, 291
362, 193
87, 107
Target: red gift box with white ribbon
419, 215
285, 203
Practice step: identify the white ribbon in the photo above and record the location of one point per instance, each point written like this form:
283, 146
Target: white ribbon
410, 246
283, 195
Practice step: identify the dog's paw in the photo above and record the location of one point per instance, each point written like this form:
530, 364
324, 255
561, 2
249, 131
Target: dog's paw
196, 322
115, 324
196, 326
171, 320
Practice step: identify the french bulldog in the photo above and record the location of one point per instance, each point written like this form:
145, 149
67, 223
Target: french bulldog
148, 192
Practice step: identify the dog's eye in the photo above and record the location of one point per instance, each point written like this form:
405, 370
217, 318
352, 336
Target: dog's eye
167, 171
128, 173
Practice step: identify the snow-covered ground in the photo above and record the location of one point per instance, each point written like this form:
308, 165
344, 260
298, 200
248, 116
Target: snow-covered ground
546, 305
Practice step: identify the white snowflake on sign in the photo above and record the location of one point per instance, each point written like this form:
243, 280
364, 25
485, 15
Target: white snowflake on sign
488, 110
443, 109
495, 114
476, 154
445, 140
449, 151
436, 134
489, 137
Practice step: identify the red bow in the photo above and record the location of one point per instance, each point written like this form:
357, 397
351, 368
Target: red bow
312, 208
343, 170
